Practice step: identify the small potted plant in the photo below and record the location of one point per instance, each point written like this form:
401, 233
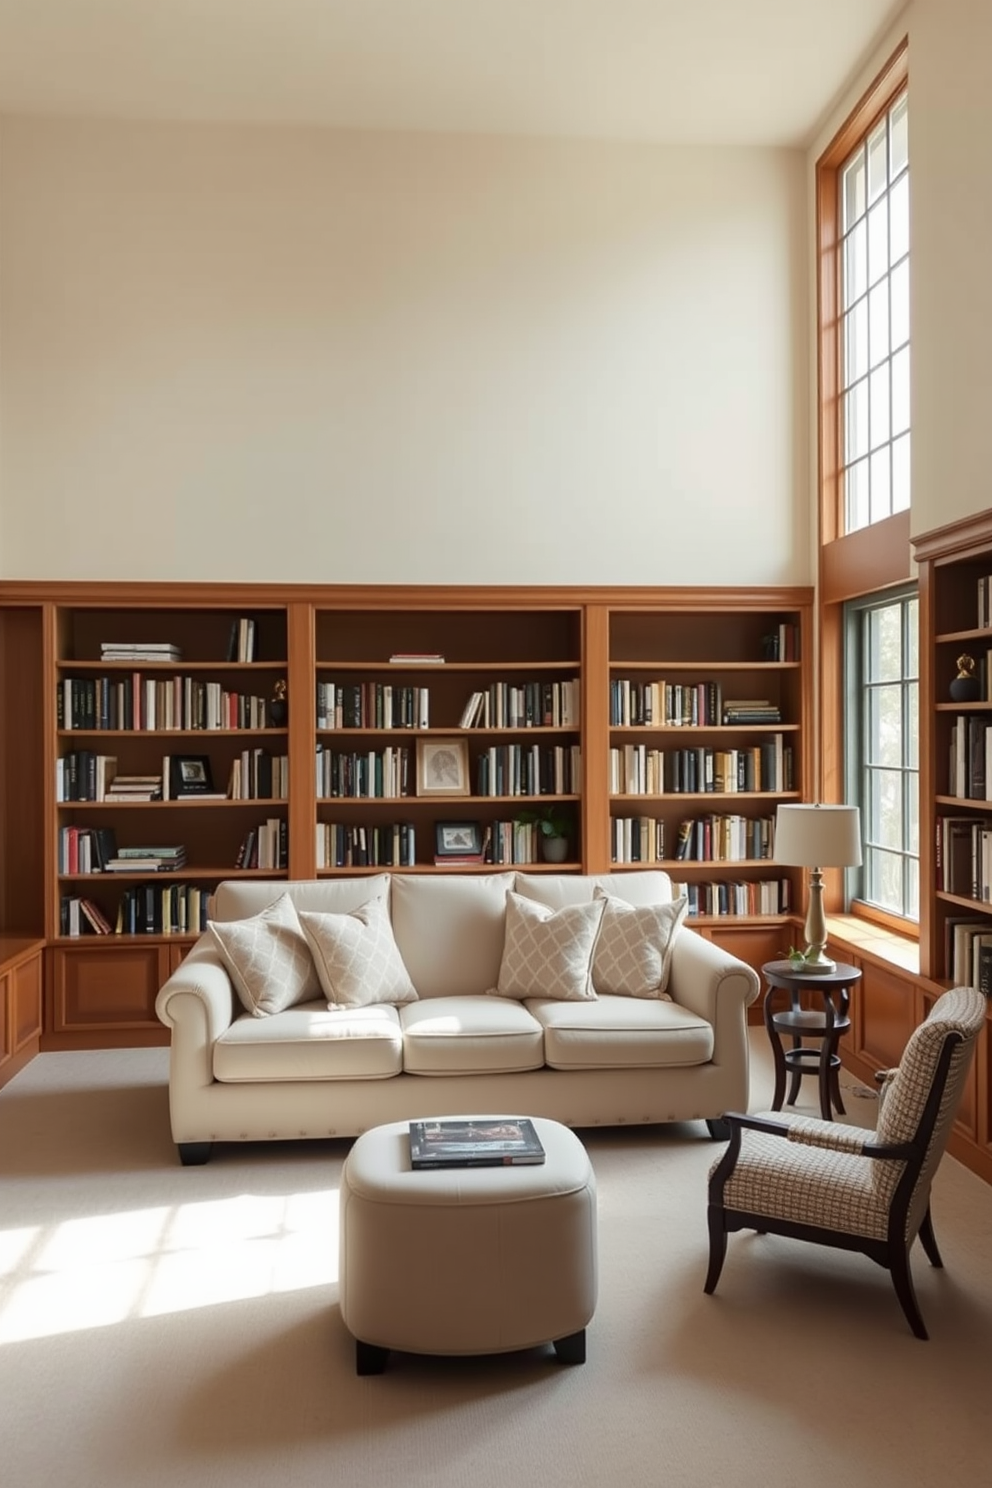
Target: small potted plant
552, 825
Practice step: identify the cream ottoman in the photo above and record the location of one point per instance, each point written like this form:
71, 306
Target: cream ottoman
466, 1260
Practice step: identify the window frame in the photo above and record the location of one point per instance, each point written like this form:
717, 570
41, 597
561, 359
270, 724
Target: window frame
856, 763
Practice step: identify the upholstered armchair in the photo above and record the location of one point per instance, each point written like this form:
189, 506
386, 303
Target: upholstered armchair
844, 1186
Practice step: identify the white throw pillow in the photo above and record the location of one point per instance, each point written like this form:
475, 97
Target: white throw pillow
268, 958
357, 958
633, 955
546, 952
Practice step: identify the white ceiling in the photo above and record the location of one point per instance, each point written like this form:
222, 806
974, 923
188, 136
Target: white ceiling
715, 71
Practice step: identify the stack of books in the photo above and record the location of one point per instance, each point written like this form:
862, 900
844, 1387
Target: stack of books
134, 788
417, 658
147, 859
751, 710
139, 651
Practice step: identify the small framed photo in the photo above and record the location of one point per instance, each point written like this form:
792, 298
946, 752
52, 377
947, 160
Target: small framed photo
457, 839
442, 767
190, 775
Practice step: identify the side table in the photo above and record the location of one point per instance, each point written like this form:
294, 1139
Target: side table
798, 1023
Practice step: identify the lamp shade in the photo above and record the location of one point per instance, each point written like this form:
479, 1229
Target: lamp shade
812, 836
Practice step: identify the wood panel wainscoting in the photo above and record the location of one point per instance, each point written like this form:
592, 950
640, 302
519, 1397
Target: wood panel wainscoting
20, 1002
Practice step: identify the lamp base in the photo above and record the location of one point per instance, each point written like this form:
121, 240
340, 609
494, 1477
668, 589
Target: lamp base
819, 964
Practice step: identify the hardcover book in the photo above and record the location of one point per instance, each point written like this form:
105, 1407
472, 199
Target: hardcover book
487, 1142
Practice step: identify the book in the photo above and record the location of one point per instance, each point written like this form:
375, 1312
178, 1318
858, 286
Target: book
417, 656
475, 1142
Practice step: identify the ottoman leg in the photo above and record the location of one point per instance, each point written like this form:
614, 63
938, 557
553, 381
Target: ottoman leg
370, 1358
572, 1348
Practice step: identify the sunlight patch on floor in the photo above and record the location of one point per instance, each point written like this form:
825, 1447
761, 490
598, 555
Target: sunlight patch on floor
104, 1269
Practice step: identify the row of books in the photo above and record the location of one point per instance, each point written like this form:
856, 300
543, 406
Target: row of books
725, 839
529, 770
766, 896
386, 844
509, 843
970, 763
636, 770
95, 850
373, 773
544, 704
257, 775
782, 643
372, 705
143, 909
265, 846
963, 857
968, 952
665, 704
637, 839
154, 704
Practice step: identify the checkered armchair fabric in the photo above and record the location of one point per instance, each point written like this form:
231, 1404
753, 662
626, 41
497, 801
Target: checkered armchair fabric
844, 1186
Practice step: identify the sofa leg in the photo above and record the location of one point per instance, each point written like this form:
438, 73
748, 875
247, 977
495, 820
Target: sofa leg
193, 1154
572, 1348
718, 1130
370, 1358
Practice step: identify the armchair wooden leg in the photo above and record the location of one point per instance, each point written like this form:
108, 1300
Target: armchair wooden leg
718, 1247
929, 1240
902, 1280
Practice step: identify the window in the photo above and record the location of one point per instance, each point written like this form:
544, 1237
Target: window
864, 332
874, 303
882, 747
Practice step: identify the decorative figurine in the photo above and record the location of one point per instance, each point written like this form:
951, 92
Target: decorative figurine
279, 706
965, 688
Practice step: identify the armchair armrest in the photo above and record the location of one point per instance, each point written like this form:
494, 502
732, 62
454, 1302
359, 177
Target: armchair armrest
198, 1003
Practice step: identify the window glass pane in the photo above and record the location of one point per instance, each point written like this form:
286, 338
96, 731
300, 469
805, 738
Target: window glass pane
878, 322
885, 734
853, 190
900, 474
898, 136
879, 405
884, 654
878, 241
886, 790
899, 220
885, 881
856, 341
856, 496
881, 484
878, 161
856, 422
899, 300
855, 264
900, 391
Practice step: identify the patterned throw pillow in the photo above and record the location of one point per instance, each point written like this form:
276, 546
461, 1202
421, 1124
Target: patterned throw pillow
634, 951
546, 952
357, 958
268, 958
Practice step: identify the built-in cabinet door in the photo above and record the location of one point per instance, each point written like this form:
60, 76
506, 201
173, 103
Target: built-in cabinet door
106, 987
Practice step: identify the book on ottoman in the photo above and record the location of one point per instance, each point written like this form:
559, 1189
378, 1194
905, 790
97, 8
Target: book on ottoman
474, 1142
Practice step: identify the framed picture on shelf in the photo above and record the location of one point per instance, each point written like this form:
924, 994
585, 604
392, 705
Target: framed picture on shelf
442, 767
453, 839
190, 775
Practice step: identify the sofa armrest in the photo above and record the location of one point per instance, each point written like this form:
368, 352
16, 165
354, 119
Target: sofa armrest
198, 1003
717, 986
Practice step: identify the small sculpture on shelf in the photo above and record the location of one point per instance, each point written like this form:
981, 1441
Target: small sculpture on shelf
965, 688
279, 706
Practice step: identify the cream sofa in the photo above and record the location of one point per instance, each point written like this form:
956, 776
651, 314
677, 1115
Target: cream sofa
310, 1071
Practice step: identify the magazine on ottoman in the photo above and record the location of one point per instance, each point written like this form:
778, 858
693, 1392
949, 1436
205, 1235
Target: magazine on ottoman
474, 1142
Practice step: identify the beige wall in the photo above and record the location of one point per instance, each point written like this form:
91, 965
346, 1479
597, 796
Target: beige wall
303, 355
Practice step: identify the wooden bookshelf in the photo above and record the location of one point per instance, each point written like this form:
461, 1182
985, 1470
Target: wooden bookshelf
545, 661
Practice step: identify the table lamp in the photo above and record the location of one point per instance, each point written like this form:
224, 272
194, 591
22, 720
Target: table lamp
817, 837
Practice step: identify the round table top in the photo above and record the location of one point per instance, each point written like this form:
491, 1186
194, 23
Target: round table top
783, 973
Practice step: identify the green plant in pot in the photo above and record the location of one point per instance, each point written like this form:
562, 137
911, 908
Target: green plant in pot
553, 826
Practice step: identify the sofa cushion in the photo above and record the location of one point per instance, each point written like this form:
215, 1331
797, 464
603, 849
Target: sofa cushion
621, 1033
237, 898
268, 958
548, 952
633, 953
357, 959
639, 886
311, 1042
469, 1036
449, 928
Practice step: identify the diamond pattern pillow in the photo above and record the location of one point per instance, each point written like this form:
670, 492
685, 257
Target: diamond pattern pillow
633, 955
546, 952
357, 958
268, 958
